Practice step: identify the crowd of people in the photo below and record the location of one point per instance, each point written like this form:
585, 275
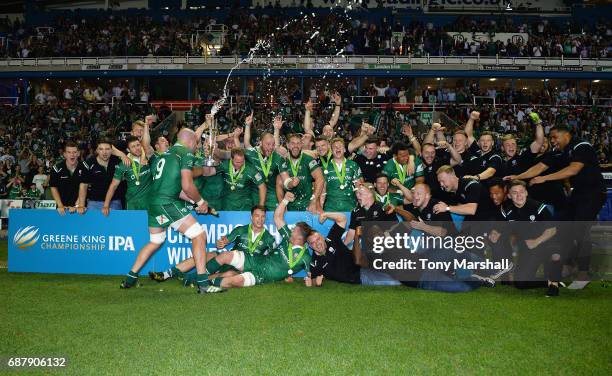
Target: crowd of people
31, 135
497, 164
307, 34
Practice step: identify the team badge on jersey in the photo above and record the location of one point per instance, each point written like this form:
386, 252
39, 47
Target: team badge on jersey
161, 219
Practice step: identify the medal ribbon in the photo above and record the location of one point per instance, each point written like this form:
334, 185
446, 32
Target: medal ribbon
232, 173
340, 174
265, 166
384, 199
293, 263
253, 244
401, 171
324, 162
295, 167
134, 169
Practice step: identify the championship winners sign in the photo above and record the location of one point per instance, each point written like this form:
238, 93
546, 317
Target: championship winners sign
42, 241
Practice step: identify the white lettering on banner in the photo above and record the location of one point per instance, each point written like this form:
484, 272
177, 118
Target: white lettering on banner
411, 4
489, 37
120, 243
543, 5
178, 254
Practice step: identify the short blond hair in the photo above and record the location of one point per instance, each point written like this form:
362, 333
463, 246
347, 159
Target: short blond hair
446, 169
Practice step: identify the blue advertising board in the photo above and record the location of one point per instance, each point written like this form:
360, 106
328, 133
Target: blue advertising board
43, 241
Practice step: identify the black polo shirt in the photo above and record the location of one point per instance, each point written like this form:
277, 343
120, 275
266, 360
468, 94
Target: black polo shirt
99, 178
337, 263
550, 192
374, 213
430, 173
589, 180
427, 215
462, 168
472, 191
371, 167
479, 162
66, 182
517, 164
532, 211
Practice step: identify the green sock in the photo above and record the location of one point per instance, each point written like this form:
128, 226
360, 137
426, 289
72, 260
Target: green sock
216, 281
202, 279
213, 266
175, 273
132, 278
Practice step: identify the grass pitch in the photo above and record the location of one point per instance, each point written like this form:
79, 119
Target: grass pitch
281, 329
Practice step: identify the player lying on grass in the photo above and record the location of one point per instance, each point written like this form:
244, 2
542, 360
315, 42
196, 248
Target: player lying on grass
289, 257
172, 179
253, 239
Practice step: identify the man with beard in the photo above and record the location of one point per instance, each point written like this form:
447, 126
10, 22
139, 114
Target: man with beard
303, 173
370, 161
239, 180
267, 162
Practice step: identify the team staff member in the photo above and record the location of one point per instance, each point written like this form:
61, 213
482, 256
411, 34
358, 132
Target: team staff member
305, 178
137, 176
404, 166
368, 210
370, 161
421, 211
485, 163
533, 240
587, 197
99, 172
66, 177
239, 178
515, 163
469, 198
341, 177
331, 258
434, 157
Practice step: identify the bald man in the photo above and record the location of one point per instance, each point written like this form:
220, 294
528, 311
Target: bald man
172, 184
268, 164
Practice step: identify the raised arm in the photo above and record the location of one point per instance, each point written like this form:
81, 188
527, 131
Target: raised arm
146, 134
248, 122
279, 212
336, 114
366, 131
407, 131
537, 143
338, 218
307, 124
469, 127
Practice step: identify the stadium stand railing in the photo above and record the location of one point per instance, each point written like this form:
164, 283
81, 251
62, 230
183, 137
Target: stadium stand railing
311, 61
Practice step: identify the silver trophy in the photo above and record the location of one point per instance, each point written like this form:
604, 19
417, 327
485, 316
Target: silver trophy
210, 143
